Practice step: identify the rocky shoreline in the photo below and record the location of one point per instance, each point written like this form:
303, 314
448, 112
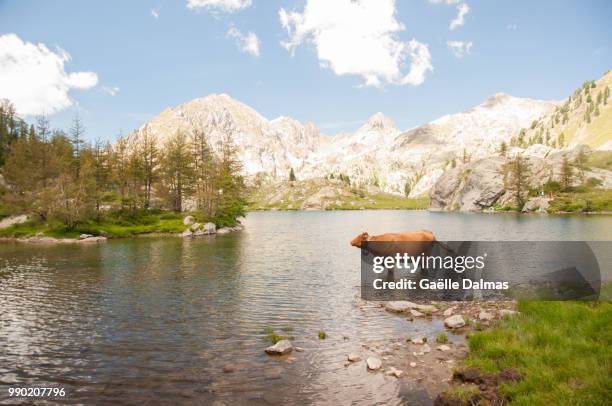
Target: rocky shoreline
432, 362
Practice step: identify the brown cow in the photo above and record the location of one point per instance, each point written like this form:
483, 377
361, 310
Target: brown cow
413, 243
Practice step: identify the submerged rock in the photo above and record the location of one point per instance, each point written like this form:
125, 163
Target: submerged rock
354, 357
455, 321
374, 363
416, 313
280, 348
418, 340
443, 348
398, 373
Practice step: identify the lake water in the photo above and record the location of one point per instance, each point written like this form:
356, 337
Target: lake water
155, 320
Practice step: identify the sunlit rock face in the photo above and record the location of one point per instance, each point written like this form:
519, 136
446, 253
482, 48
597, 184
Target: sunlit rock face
377, 154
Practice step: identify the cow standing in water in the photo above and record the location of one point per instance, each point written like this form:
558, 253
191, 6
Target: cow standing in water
414, 243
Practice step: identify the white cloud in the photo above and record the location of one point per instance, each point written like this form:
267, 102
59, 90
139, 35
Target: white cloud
34, 79
358, 38
460, 48
249, 43
155, 12
111, 91
462, 10
225, 6
512, 27
449, 2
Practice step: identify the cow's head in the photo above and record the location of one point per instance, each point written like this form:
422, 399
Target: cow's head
356, 242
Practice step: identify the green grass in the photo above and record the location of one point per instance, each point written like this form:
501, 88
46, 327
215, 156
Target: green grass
322, 335
600, 159
382, 201
113, 226
463, 394
562, 349
442, 338
581, 200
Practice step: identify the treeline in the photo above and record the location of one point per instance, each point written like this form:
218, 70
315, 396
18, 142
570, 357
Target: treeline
518, 177
56, 175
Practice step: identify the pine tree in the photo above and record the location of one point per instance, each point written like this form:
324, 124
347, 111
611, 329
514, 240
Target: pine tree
77, 132
567, 174
503, 149
292, 175
177, 170
517, 173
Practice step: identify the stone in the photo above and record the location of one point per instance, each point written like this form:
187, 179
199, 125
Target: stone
416, 313
507, 313
443, 348
536, 204
426, 308
399, 306
484, 316
449, 312
455, 321
354, 357
209, 228
374, 363
187, 233
224, 230
298, 349
280, 348
84, 236
188, 220
413, 364
426, 349
94, 239
198, 233
398, 373
11, 221
229, 368
418, 340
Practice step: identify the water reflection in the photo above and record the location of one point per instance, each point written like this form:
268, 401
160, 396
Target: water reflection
157, 319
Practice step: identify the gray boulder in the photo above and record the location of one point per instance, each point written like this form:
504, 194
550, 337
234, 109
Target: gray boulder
455, 321
280, 348
209, 228
536, 204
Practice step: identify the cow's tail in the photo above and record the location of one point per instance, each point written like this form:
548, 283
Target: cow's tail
446, 247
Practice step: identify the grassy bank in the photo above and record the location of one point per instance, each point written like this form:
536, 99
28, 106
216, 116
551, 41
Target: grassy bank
112, 225
582, 200
563, 350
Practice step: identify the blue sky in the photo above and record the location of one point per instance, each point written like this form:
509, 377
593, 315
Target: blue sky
540, 49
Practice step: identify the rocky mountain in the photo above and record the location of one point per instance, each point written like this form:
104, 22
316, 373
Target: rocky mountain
584, 118
479, 185
376, 155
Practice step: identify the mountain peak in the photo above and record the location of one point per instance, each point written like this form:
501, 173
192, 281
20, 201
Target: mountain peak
378, 122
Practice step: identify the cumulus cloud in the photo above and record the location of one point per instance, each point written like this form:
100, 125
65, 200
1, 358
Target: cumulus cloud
34, 78
358, 38
460, 48
512, 27
225, 6
249, 43
462, 10
155, 12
